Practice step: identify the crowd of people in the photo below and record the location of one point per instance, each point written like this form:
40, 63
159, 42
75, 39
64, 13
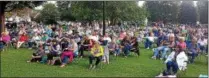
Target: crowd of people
176, 45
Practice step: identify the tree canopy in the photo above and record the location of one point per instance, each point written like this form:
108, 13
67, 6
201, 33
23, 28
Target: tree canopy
203, 11
49, 14
166, 11
65, 11
7, 6
188, 13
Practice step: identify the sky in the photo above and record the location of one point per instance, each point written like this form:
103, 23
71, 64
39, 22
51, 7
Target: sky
40, 7
140, 3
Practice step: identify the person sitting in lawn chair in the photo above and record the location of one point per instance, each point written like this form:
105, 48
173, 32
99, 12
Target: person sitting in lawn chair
86, 44
202, 43
70, 53
22, 39
34, 41
114, 47
149, 40
126, 46
164, 47
6, 38
135, 46
97, 52
37, 55
177, 60
2, 44
193, 50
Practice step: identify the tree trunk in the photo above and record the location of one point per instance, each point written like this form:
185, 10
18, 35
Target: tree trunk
2, 17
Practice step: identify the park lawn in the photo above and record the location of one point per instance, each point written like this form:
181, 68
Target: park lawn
13, 64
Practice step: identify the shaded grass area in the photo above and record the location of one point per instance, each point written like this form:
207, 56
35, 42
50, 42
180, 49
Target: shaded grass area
13, 64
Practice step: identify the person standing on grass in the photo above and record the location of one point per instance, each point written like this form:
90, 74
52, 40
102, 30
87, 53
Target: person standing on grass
96, 53
106, 40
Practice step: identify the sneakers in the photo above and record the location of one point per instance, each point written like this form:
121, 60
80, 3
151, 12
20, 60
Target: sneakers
153, 49
90, 66
62, 66
94, 67
153, 57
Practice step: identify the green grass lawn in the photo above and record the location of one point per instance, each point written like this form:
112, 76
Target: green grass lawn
13, 64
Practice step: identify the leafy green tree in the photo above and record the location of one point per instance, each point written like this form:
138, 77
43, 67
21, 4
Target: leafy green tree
115, 11
87, 10
124, 11
49, 14
65, 11
188, 13
7, 6
203, 11
166, 11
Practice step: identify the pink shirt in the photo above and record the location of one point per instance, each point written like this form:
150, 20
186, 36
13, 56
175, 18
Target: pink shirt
182, 44
122, 35
6, 38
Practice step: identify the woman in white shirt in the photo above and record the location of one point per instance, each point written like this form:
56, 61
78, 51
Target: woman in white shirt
149, 40
176, 60
36, 39
106, 41
202, 43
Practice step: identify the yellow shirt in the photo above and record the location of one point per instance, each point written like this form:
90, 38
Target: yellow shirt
97, 52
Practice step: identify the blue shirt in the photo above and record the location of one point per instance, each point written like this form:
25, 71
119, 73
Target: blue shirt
192, 48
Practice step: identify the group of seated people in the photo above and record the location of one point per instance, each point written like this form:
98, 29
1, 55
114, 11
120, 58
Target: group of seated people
177, 49
56, 46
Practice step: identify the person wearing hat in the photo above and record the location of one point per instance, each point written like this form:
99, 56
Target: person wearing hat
97, 52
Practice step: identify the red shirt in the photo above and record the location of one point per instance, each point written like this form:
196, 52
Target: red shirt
23, 38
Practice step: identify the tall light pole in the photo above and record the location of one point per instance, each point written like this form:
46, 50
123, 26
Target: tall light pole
104, 18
